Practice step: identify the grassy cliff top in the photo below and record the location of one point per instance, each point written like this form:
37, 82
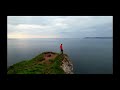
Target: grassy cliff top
45, 63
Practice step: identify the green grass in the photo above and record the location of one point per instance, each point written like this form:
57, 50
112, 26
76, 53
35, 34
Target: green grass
34, 66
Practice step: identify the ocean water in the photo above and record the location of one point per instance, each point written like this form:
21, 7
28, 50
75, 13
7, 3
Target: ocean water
89, 56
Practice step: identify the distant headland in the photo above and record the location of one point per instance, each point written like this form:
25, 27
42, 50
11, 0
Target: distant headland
98, 38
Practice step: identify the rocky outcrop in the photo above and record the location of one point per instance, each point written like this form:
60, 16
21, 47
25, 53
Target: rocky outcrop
67, 65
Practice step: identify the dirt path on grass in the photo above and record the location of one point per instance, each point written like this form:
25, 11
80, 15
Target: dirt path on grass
48, 56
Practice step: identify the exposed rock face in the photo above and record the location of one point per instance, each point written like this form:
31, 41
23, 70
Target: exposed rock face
67, 65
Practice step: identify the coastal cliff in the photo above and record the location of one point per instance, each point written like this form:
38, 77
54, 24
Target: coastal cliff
67, 65
44, 63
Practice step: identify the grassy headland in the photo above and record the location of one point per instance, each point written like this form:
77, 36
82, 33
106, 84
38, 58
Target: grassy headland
40, 64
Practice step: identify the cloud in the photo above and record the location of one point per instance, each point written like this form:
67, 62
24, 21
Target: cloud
57, 26
31, 26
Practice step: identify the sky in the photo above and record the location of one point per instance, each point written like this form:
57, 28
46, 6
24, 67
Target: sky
59, 26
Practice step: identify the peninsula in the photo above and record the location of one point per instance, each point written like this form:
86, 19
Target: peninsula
98, 38
44, 63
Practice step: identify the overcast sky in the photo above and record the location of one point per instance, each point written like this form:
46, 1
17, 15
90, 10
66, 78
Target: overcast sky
59, 26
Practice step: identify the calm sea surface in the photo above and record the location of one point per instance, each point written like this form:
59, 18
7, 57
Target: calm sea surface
89, 56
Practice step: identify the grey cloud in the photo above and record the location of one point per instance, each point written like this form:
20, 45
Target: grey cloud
65, 26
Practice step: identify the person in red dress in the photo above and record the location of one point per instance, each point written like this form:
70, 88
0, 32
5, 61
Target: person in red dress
61, 48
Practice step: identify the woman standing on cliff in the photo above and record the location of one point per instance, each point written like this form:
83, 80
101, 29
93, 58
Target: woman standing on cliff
61, 48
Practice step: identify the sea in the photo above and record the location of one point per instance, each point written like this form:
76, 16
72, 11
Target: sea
89, 56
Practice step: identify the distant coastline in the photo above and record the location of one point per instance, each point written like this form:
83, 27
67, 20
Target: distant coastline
98, 38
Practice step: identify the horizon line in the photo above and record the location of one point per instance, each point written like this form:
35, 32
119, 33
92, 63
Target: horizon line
37, 38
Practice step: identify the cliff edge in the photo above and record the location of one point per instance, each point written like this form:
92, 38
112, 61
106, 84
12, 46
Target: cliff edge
67, 65
44, 63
